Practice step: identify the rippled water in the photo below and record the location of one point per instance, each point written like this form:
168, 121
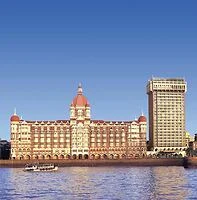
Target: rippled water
100, 183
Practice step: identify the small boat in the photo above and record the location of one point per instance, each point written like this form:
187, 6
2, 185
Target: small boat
40, 167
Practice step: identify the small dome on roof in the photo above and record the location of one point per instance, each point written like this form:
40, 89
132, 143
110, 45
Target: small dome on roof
142, 119
15, 117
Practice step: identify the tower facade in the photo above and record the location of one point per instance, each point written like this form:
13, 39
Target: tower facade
166, 103
79, 137
80, 123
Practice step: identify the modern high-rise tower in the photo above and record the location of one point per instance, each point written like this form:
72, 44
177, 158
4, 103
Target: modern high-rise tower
166, 102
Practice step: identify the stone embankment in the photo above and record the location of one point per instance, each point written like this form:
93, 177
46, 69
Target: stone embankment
98, 163
190, 162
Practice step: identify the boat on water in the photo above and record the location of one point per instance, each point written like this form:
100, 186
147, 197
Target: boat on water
40, 167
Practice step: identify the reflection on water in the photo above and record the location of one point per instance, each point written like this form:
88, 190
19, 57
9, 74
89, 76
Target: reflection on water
169, 183
100, 183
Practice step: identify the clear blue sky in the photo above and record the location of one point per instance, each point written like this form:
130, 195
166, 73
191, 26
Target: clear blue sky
112, 47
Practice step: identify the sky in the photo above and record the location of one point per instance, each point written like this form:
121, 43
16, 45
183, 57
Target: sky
112, 47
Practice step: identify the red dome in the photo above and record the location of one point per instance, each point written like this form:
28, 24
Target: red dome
80, 99
15, 118
142, 119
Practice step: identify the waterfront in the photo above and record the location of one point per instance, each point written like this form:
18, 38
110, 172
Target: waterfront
100, 183
97, 163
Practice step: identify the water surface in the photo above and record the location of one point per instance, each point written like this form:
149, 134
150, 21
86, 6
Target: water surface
100, 183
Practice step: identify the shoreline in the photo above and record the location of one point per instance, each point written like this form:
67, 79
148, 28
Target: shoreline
190, 162
100, 163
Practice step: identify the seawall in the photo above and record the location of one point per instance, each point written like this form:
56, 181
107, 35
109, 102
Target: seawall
191, 162
97, 163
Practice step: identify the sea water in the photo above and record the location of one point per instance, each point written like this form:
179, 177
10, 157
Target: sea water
107, 183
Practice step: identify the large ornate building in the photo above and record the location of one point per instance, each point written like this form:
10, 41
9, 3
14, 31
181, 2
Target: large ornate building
79, 137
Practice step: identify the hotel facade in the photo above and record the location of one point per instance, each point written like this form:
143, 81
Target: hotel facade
166, 103
80, 137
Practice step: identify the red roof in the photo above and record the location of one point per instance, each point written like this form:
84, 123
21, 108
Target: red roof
80, 99
142, 119
15, 118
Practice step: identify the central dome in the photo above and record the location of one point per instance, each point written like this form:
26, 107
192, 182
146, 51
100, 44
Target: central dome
80, 99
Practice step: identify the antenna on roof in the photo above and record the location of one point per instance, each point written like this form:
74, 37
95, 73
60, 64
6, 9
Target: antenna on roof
142, 113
